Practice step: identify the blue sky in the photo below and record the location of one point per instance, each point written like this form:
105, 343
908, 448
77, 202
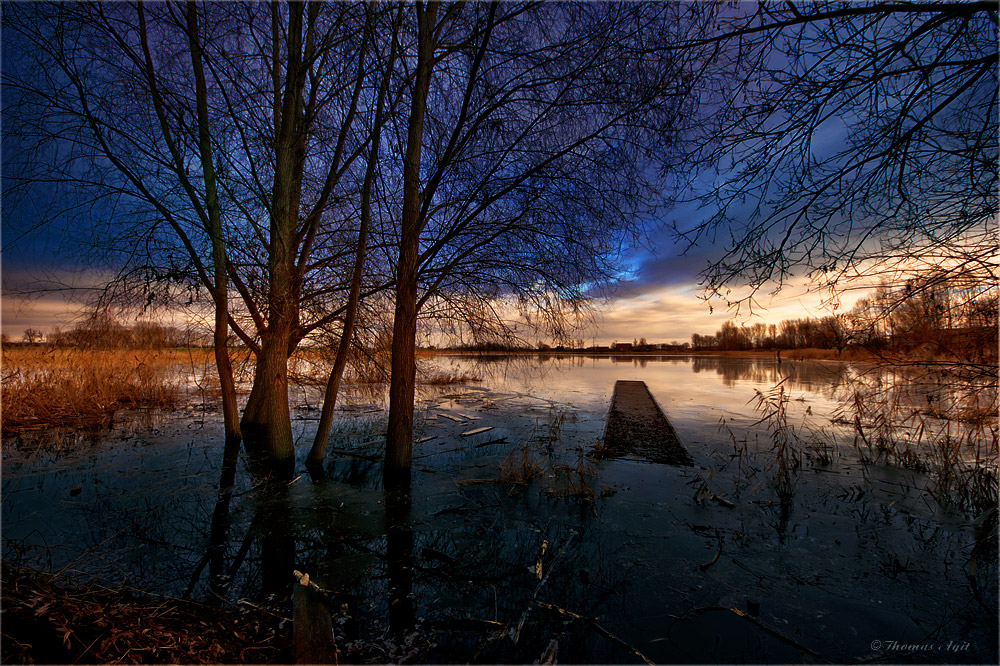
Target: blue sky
660, 299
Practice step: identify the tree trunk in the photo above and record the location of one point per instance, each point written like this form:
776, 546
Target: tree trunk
399, 435
267, 412
266, 423
318, 450
278, 423
253, 411
220, 291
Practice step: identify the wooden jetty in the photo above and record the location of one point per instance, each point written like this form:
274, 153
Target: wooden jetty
637, 426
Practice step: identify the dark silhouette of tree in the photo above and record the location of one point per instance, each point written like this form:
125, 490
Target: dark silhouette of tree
33, 336
534, 141
851, 140
212, 146
318, 450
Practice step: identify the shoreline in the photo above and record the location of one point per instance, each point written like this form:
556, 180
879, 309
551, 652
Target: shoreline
807, 354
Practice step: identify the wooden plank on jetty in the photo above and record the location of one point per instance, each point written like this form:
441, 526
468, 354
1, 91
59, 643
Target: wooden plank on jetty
637, 426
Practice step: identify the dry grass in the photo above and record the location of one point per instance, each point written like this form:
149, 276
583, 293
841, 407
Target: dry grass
45, 622
938, 420
520, 466
573, 481
83, 388
786, 446
449, 378
534, 460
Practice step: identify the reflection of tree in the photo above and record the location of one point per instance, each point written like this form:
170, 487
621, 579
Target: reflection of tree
804, 375
399, 560
268, 575
215, 558
277, 542
480, 569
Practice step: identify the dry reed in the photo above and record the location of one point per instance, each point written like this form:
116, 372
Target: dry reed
534, 460
940, 421
448, 378
83, 388
786, 446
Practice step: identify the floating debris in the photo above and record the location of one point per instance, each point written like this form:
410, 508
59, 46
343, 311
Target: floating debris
476, 431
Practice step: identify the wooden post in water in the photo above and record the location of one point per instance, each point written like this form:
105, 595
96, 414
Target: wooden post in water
312, 625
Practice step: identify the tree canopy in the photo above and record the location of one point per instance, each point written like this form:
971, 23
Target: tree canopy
849, 140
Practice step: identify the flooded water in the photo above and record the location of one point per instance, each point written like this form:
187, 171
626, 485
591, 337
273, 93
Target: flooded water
714, 563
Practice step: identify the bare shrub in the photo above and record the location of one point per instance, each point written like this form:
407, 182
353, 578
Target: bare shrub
786, 445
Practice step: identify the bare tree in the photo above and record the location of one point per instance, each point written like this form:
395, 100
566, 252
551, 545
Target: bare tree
226, 136
858, 143
531, 149
318, 450
850, 141
33, 336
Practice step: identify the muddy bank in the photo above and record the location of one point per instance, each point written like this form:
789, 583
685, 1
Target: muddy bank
48, 621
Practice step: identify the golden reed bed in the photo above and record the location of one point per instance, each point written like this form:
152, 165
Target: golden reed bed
45, 387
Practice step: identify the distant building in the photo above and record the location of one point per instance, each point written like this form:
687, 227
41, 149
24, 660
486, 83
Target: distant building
623, 346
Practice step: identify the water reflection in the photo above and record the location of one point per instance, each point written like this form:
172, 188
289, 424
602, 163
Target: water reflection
274, 528
399, 559
824, 377
459, 559
215, 557
807, 376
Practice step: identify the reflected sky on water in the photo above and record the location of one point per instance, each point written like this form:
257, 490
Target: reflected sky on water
450, 571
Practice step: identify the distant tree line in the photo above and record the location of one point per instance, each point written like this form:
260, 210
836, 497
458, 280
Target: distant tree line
106, 333
824, 333
928, 311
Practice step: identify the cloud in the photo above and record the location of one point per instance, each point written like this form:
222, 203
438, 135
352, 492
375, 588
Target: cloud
675, 311
44, 312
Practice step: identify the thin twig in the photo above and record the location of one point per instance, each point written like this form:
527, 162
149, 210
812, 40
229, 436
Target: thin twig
598, 628
760, 625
